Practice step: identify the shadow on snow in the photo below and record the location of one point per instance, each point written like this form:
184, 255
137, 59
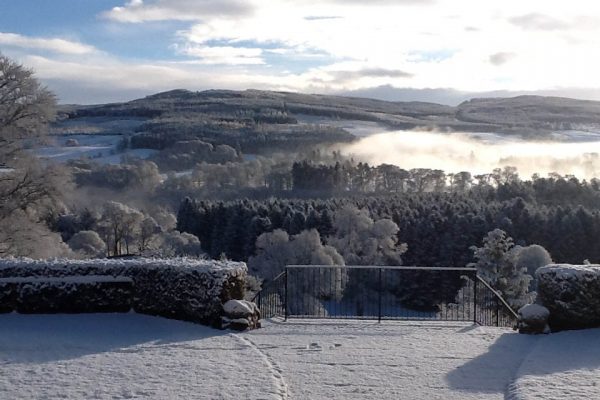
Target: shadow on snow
46, 338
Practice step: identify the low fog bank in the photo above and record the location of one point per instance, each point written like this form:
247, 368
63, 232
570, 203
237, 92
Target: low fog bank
478, 153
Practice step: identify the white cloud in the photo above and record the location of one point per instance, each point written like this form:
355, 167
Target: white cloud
51, 44
137, 11
537, 21
444, 44
103, 72
501, 58
224, 54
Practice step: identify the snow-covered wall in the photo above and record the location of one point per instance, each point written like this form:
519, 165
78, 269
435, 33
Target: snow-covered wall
571, 293
180, 288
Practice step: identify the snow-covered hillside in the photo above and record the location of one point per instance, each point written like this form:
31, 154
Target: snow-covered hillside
122, 356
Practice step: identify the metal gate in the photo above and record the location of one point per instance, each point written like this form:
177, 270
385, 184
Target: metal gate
384, 293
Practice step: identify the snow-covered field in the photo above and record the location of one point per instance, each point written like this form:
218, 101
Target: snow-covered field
97, 125
100, 148
355, 127
120, 356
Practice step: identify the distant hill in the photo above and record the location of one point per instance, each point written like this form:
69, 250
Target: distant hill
244, 114
532, 112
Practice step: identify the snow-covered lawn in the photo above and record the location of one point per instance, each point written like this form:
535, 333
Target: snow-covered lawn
117, 356
124, 356
564, 365
392, 360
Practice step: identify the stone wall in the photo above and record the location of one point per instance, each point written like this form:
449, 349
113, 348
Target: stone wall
185, 289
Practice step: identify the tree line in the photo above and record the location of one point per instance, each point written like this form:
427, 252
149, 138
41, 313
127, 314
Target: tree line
438, 228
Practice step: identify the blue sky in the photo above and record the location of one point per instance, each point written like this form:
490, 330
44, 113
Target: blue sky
110, 50
80, 21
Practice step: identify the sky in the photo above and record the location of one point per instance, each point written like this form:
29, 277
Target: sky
98, 51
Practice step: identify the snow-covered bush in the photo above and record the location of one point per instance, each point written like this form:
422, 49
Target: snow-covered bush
182, 288
77, 294
572, 294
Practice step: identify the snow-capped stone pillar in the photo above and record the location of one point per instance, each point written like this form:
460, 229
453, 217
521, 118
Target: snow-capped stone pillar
240, 315
533, 319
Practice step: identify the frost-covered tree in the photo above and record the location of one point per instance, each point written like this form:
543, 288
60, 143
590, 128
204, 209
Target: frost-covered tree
496, 263
277, 249
306, 248
119, 225
26, 107
177, 244
272, 254
362, 241
87, 243
167, 220
531, 258
22, 235
27, 190
148, 229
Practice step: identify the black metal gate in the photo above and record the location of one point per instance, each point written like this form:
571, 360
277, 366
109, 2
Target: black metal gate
384, 293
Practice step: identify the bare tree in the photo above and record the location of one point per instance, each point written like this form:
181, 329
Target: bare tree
120, 225
148, 229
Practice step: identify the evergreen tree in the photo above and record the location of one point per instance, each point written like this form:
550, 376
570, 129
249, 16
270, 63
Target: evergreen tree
496, 263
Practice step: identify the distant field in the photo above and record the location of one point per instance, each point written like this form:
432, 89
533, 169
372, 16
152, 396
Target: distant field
355, 127
96, 125
100, 148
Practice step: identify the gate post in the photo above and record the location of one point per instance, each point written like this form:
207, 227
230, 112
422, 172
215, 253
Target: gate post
475, 298
380, 289
286, 293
